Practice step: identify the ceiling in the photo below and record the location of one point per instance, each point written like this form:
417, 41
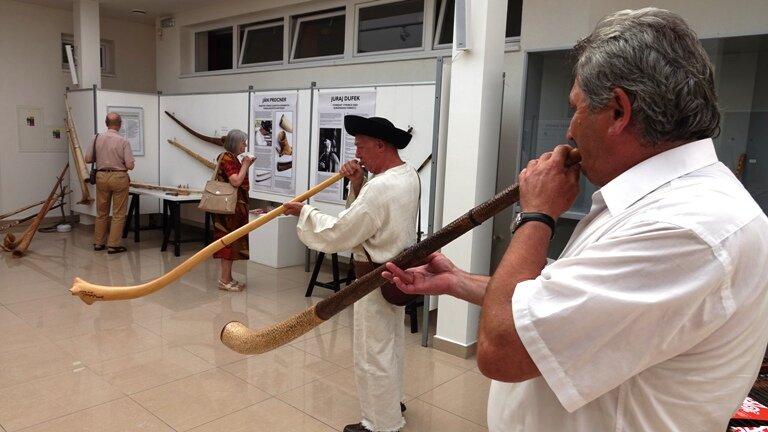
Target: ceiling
122, 9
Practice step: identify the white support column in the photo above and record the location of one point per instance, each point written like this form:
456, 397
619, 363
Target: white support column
471, 155
87, 42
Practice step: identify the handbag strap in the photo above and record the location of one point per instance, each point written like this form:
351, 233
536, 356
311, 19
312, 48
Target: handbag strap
93, 162
218, 162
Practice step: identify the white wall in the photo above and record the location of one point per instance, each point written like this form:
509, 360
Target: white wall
31, 75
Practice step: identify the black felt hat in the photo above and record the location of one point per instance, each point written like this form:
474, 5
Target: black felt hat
377, 127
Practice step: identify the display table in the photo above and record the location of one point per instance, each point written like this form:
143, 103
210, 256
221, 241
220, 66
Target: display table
275, 244
171, 217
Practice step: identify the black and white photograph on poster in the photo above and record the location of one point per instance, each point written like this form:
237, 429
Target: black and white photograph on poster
333, 141
132, 127
330, 145
273, 122
263, 132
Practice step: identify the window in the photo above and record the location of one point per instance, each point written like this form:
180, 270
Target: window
261, 43
213, 50
444, 22
319, 36
106, 54
391, 26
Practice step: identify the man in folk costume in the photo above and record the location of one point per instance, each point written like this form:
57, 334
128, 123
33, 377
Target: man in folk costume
379, 223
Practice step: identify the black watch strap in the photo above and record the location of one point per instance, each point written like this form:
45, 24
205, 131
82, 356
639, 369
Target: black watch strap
534, 216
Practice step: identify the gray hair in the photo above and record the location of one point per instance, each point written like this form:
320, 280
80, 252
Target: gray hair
232, 142
657, 59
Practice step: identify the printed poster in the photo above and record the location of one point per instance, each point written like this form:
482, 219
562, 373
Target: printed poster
274, 123
335, 145
132, 127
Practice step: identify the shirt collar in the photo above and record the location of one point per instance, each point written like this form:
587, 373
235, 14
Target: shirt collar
648, 175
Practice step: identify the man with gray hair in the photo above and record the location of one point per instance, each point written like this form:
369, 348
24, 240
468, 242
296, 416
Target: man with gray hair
652, 317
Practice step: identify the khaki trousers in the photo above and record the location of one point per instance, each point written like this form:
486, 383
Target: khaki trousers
111, 191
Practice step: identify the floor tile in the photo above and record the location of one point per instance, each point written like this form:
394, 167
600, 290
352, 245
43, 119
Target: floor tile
199, 399
121, 415
48, 398
271, 415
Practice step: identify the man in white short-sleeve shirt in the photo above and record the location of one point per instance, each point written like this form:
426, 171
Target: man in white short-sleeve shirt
652, 317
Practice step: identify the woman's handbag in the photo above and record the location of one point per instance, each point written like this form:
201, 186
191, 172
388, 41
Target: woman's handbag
218, 197
92, 175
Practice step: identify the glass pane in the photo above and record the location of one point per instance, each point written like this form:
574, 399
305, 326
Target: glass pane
514, 17
213, 50
391, 26
320, 37
262, 45
445, 32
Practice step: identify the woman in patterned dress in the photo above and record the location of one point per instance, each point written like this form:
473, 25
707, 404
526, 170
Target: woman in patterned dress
234, 171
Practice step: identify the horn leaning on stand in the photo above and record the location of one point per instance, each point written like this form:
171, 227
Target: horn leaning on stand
77, 155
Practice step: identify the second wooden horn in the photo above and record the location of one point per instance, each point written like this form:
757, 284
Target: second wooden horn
243, 340
90, 293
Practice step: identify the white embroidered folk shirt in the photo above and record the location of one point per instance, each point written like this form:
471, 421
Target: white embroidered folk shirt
382, 218
654, 316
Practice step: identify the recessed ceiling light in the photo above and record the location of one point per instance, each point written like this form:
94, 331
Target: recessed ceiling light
139, 11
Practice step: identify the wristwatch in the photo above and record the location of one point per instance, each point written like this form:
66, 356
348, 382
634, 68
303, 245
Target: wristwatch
524, 217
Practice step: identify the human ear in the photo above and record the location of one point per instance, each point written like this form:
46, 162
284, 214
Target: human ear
621, 106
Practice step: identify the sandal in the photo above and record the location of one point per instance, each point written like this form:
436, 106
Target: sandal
99, 247
230, 286
115, 250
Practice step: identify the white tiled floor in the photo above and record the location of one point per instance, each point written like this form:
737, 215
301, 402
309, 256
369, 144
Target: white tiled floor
156, 363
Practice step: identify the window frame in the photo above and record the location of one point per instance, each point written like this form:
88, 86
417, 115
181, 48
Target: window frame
106, 53
356, 26
258, 26
208, 29
297, 28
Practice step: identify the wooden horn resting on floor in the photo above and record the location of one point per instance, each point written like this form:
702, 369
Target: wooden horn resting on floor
212, 140
90, 293
77, 155
19, 247
238, 337
196, 156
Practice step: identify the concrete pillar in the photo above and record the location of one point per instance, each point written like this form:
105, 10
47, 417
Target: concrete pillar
87, 42
474, 123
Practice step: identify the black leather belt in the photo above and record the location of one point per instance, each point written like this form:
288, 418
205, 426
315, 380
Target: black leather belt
111, 170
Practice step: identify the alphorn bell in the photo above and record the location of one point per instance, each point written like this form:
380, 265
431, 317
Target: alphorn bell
238, 337
90, 293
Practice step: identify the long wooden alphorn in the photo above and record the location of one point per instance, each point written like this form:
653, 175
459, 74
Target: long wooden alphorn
77, 155
90, 293
212, 140
194, 155
20, 209
9, 243
238, 337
